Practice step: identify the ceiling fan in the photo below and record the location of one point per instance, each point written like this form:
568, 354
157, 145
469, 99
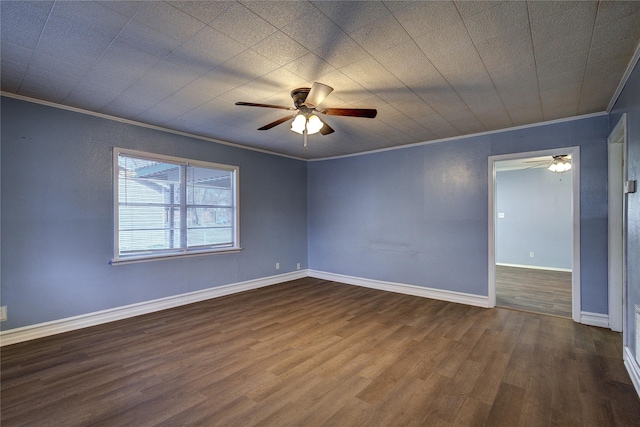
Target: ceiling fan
559, 163
306, 102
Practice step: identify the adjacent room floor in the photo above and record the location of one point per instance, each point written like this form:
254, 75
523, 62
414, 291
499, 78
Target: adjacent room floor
538, 291
318, 353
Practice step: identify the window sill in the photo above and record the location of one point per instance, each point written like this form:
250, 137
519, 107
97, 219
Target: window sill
149, 258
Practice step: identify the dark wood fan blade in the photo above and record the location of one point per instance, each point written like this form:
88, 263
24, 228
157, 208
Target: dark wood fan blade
276, 123
252, 104
326, 129
351, 112
317, 94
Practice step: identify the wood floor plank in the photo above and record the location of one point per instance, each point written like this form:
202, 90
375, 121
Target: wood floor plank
472, 413
353, 413
506, 411
343, 392
490, 381
535, 290
313, 352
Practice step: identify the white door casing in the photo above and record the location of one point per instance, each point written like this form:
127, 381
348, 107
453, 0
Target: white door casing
616, 146
576, 304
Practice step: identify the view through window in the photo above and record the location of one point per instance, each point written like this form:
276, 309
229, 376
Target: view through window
169, 206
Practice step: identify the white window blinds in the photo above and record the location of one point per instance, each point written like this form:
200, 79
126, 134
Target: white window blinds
166, 206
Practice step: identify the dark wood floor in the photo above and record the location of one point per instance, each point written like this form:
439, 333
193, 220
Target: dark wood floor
539, 291
311, 353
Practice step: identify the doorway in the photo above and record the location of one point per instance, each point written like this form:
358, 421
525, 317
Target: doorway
534, 233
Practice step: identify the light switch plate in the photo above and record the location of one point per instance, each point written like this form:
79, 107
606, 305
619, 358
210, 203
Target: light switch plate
630, 187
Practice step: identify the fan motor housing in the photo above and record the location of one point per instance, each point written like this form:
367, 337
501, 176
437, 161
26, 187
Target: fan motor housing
299, 96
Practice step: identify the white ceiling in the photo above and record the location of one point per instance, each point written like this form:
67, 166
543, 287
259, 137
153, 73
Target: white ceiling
432, 69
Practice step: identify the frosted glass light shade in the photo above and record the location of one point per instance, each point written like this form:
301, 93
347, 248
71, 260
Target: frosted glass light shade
314, 124
299, 123
560, 165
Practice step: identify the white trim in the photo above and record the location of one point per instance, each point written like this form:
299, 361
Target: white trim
472, 135
625, 77
219, 141
534, 267
401, 288
576, 277
183, 164
175, 255
144, 125
594, 319
491, 250
616, 149
632, 368
31, 332
575, 170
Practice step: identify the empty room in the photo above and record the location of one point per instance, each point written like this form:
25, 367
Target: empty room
320, 213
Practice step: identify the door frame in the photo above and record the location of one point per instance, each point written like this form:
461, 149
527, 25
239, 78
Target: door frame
617, 270
576, 303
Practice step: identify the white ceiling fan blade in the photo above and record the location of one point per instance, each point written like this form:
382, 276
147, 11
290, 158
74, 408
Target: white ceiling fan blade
317, 94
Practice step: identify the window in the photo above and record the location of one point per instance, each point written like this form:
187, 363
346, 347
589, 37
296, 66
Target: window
167, 206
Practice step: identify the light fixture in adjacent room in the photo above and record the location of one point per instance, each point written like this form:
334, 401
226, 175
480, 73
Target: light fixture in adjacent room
560, 164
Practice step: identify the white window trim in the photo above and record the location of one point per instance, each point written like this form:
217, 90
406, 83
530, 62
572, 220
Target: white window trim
118, 260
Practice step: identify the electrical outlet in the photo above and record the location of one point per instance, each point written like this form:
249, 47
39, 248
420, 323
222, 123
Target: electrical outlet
298, 266
277, 266
3, 313
531, 254
500, 214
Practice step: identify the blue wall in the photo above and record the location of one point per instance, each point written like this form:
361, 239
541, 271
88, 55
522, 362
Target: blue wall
537, 218
418, 215
629, 102
57, 236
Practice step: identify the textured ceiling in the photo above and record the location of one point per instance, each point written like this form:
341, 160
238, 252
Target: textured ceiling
432, 69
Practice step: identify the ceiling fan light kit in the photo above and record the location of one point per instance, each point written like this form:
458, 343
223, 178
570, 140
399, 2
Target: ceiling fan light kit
560, 164
311, 123
314, 124
306, 121
299, 124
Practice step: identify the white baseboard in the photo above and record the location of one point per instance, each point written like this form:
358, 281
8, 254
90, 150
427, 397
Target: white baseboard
31, 332
26, 333
439, 294
594, 319
633, 368
534, 267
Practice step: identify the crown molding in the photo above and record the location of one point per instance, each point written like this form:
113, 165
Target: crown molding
625, 77
472, 135
243, 147
141, 124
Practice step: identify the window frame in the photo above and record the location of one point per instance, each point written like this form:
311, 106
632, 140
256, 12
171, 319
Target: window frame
181, 252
